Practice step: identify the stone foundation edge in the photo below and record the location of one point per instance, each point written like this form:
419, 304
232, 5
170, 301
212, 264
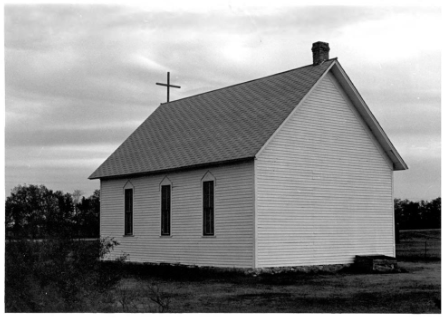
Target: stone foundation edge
305, 269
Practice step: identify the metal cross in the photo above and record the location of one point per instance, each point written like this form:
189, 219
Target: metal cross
167, 86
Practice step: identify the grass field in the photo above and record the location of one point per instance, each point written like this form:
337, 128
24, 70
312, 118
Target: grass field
178, 289
419, 245
416, 290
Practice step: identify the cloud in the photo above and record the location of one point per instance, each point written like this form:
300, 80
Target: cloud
395, 36
422, 181
65, 178
83, 76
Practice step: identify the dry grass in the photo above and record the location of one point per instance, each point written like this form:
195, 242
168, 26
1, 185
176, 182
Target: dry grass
416, 290
419, 245
144, 288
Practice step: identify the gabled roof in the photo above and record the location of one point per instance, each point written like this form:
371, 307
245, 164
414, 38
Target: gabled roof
221, 126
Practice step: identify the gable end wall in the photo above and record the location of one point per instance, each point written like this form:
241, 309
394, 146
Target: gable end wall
323, 187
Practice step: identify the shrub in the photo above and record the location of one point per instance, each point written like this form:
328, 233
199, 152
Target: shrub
56, 274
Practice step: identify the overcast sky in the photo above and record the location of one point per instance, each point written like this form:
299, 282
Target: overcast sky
81, 78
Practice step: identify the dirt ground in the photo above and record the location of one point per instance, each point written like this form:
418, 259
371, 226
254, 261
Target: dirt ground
418, 290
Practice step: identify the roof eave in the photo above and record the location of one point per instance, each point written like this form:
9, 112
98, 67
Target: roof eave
169, 170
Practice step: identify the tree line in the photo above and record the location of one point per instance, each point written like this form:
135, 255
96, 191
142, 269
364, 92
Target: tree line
34, 211
417, 215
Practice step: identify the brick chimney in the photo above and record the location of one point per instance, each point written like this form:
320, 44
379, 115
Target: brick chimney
320, 52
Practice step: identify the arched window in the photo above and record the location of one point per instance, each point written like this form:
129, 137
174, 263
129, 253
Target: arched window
208, 185
165, 206
128, 207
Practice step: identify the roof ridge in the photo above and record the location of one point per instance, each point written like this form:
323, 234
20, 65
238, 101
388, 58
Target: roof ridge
256, 79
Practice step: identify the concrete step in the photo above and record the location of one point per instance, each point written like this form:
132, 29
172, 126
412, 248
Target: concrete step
375, 263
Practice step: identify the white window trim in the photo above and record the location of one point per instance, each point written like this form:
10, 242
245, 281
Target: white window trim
208, 176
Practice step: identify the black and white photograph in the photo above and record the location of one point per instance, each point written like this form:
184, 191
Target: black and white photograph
222, 157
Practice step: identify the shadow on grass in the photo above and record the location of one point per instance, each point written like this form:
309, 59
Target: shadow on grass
361, 302
177, 273
419, 259
180, 273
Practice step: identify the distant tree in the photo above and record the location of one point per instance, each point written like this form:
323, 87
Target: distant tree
417, 215
88, 215
35, 211
432, 213
398, 212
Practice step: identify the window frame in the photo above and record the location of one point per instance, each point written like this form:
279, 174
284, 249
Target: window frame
162, 210
128, 216
208, 207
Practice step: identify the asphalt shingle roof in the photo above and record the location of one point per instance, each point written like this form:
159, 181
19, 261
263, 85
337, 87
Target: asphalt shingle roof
227, 124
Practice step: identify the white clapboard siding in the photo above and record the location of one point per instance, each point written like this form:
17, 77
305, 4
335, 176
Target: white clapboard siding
232, 245
323, 187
